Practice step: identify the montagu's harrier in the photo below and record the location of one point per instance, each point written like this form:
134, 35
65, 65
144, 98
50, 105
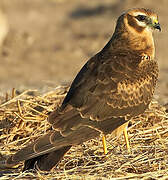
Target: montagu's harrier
112, 87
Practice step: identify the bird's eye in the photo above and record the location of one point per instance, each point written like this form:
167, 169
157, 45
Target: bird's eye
141, 17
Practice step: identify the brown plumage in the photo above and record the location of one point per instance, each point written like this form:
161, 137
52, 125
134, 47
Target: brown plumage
112, 87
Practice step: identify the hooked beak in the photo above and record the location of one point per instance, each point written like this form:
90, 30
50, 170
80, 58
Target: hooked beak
156, 25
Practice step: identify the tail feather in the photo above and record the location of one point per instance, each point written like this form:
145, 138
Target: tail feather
51, 143
47, 161
39, 147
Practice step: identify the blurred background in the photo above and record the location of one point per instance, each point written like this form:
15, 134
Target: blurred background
44, 43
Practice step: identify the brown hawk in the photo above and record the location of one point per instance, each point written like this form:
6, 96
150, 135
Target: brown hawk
112, 87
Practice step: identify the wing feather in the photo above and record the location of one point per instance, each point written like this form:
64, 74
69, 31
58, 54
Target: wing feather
116, 85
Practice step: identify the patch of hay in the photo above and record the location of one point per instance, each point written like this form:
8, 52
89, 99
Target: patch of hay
24, 118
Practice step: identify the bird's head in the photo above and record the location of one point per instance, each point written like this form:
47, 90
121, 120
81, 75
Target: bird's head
134, 31
141, 19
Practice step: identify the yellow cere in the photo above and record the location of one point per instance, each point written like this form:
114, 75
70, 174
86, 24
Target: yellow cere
155, 21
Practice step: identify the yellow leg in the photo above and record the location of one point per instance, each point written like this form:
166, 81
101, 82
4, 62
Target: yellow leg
104, 144
126, 139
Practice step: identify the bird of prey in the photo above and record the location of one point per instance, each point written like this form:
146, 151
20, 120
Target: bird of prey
114, 86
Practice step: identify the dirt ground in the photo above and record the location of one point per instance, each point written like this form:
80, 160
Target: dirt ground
50, 40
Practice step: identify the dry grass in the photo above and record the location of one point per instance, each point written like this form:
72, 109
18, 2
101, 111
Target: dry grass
24, 117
